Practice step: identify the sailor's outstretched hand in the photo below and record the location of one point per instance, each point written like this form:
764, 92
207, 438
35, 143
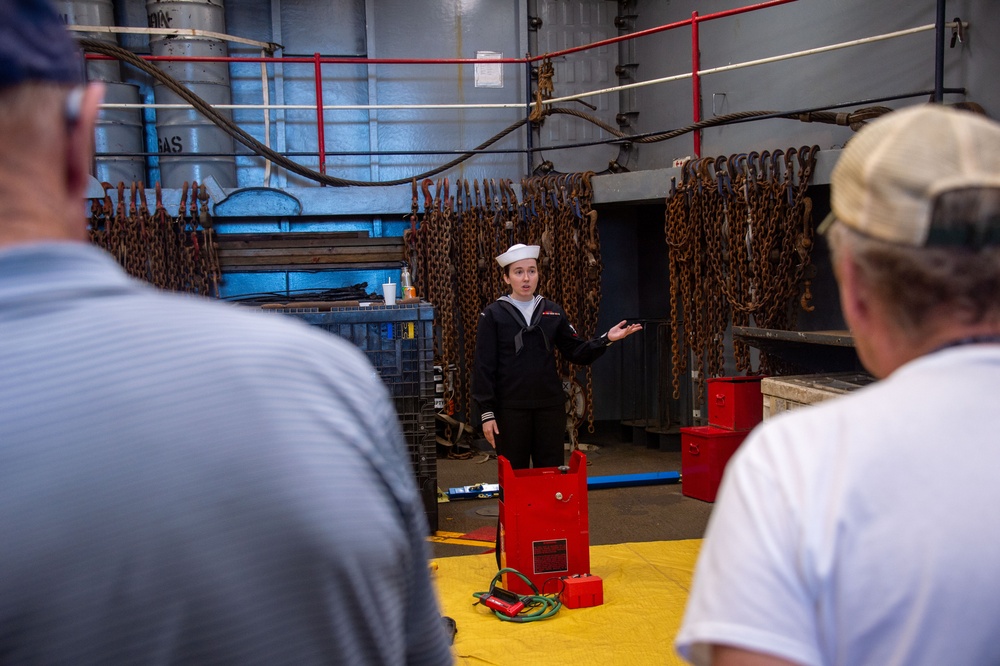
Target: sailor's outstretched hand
622, 331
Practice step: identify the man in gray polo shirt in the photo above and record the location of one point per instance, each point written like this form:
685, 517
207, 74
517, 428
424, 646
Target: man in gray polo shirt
180, 481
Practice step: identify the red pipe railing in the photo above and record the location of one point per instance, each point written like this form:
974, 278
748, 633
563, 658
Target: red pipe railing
695, 83
320, 124
318, 62
661, 28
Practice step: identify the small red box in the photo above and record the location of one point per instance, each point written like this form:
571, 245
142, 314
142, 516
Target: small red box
735, 403
705, 450
582, 591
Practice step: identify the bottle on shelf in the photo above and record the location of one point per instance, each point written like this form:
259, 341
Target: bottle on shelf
406, 283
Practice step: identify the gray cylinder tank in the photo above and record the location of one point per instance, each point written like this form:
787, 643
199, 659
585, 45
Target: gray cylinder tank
93, 12
191, 146
120, 131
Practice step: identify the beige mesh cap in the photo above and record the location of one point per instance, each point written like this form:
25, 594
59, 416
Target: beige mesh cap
889, 176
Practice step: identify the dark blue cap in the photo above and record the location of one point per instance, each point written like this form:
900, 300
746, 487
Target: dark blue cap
35, 45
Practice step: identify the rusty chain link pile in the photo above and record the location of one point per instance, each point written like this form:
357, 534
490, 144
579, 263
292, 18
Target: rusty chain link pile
739, 231
176, 253
452, 244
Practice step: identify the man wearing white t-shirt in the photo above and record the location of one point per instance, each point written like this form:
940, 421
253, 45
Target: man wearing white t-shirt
861, 530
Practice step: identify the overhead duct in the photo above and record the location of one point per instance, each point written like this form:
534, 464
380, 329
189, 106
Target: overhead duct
191, 147
118, 137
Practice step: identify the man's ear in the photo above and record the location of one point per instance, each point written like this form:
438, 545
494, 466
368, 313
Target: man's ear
855, 298
81, 122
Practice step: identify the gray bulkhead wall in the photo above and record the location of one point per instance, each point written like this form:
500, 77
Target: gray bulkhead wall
332, 29
459, 28
899, 66
452, 29
633, 251
384, 29
564, 24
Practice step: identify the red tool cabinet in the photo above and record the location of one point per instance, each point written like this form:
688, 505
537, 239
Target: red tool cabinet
705, 450
734, 403
544, 524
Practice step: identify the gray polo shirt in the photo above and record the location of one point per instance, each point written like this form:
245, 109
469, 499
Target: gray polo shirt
188, 482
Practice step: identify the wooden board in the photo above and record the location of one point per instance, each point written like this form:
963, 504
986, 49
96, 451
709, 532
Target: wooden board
307, 251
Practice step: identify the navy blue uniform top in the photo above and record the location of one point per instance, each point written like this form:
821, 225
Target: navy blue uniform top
515, 364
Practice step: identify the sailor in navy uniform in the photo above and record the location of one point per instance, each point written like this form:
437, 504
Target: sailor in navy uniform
515, 383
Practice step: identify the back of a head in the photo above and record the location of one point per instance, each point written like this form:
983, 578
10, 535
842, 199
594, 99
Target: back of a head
37, 54
35, 46
919, 192
46, 125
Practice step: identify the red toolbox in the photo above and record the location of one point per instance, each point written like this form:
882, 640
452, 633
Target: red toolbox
705, 450
735, 403
544, 523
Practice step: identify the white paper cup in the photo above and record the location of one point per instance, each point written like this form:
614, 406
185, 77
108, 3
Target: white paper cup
389, 291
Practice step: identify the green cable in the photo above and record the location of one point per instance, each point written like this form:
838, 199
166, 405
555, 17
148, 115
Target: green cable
537, 606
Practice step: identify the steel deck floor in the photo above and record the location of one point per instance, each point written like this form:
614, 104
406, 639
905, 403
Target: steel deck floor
617, 515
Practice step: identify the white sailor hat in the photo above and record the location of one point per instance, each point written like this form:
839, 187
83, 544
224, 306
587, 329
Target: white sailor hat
517, 253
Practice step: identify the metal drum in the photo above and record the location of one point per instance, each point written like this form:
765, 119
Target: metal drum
119, 131
191, 146
93, 12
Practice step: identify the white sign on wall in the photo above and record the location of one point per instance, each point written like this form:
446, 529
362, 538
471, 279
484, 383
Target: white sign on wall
489, 75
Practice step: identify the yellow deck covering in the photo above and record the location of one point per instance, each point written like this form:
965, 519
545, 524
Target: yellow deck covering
645, 590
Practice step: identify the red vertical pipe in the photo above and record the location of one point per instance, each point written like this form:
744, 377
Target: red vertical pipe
320, 132
696, 81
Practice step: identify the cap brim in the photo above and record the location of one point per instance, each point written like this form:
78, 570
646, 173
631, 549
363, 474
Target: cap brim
827, 222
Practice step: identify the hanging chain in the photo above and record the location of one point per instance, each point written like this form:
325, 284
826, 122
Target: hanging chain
458, 238
176, 254
739, 234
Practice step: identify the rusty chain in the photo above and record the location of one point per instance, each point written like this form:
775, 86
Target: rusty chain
176, 254
467, 234
457, 239
738, 232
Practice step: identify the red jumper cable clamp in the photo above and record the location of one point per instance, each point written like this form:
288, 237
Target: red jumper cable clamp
502, 601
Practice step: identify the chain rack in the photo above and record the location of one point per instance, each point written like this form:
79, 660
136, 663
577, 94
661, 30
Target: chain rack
452, 251
739, 231
175, 253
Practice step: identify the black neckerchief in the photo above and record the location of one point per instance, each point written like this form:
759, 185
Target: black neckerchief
536, 316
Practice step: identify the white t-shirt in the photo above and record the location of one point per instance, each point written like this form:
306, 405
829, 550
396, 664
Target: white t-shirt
863, 530
526, 308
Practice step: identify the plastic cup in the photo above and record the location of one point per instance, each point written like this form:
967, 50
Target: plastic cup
389, 291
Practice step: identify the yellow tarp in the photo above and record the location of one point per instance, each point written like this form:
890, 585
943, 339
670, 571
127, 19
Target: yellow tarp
645, 589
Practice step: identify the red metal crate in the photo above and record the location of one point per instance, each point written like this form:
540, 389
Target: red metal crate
544, 524
735, 403
705, 450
